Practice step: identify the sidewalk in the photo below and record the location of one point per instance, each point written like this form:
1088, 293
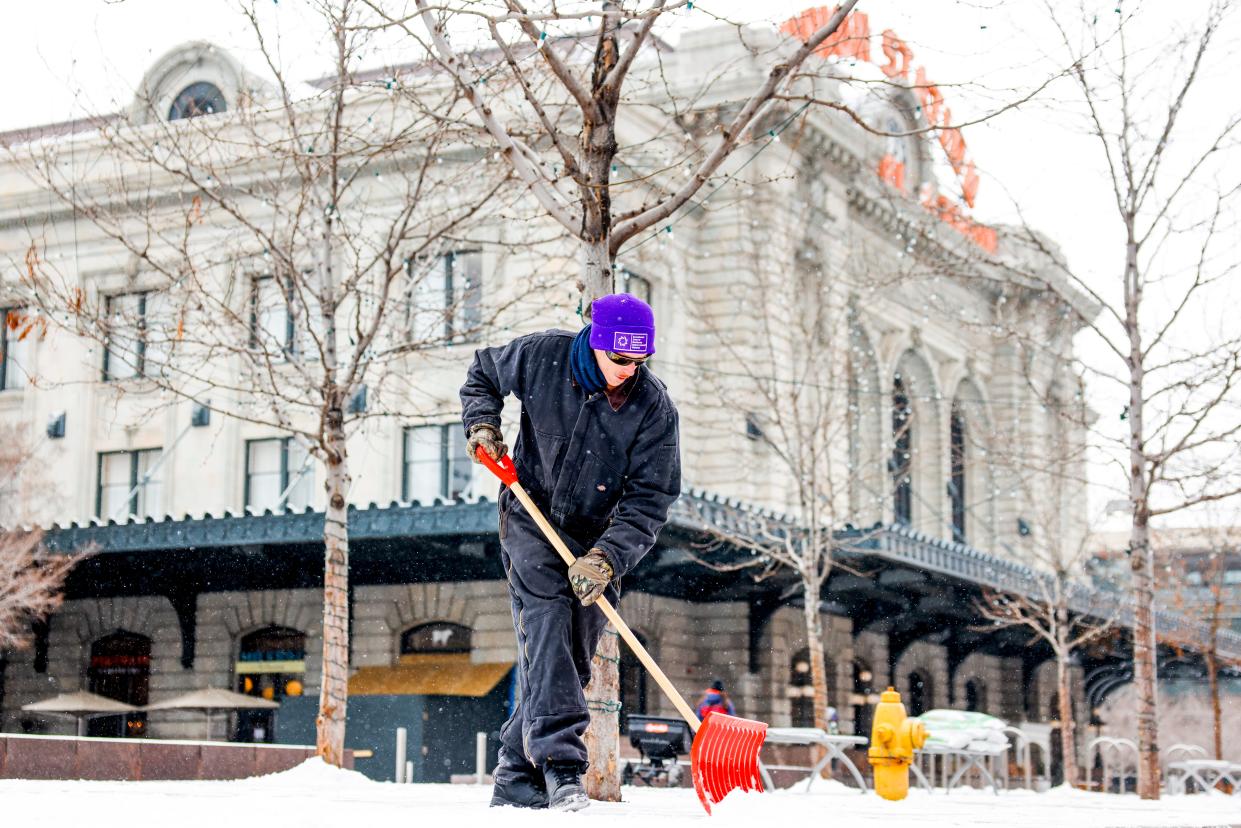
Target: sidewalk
316, 796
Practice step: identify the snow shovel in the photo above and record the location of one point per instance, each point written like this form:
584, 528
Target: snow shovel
725, 751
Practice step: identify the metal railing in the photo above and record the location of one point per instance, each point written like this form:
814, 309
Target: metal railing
901, 544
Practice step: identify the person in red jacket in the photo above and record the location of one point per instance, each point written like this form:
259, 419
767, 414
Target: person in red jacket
715, 700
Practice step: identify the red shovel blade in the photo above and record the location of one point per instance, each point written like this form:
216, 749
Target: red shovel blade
725, 756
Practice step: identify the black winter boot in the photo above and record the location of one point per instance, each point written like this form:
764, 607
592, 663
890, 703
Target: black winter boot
518, 784
564, 786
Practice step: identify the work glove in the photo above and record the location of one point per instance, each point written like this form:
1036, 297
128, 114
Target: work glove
590, 575
489, 437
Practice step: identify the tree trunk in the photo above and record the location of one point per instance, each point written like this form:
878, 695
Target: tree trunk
1068, 726
597, 277
598, 145
1217, 724
603, 736
334, 694
1142, 562
818, 667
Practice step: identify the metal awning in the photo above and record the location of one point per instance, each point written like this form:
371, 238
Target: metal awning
456, 540
430, 675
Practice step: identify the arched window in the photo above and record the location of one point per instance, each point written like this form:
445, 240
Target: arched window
1053, 707
437, 637
633, 695
868, 490
271, 664
975, 696
863, 691
199, 98
901, 464
956, 479
801, 689
920, 696
120, 668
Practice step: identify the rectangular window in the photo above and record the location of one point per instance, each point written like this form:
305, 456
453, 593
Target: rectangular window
435, 464
279, 475
444, 299
13, 349
123, 351
129, 484
286, 323
141, 333
271, 324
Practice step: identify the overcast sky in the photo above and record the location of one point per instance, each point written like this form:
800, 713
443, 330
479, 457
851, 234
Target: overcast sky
65, 58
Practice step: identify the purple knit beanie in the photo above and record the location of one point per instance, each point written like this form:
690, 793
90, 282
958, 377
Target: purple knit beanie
622, 323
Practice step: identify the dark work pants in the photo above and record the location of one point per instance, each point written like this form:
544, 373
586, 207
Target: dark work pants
556, 639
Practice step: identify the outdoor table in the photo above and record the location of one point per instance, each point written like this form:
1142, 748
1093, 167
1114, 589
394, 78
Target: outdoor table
833, 745
1206, 772
973, 758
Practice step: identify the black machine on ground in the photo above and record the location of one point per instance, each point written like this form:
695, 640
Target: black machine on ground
660, 741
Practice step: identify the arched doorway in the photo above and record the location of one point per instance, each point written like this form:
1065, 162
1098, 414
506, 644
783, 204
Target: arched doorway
863, 691
801, 690
975, 696
1056, 759
120, 668
921, 697
633, 693
271, 664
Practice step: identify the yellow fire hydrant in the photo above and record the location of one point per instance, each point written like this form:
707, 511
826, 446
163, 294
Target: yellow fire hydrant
893, 740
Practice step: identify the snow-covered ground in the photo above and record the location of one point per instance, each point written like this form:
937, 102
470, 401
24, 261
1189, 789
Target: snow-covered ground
315, 794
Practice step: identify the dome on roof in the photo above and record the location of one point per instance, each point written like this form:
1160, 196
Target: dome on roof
195, 78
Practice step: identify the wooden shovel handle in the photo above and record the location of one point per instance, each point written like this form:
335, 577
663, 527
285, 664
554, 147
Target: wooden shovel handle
501, 470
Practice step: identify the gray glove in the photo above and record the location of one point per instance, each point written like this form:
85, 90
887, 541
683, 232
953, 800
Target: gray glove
590, 575
489, 437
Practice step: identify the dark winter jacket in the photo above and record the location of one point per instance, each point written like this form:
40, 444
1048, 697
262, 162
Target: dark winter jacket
605, 471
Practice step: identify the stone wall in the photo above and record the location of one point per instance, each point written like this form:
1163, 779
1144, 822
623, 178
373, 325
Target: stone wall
693, 643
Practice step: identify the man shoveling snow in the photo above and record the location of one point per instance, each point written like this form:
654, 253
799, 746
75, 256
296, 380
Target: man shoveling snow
598, 451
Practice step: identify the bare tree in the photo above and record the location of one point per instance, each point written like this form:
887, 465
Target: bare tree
292, 262
614, 147
31, 576
1196, 579
1059, 608
571, 98
1176, 364
574, 95
785, 363
31, 579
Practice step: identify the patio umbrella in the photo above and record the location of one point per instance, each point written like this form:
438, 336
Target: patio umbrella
81, 706
212, 699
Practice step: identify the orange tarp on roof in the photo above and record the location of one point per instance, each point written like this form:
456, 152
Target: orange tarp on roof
429, 675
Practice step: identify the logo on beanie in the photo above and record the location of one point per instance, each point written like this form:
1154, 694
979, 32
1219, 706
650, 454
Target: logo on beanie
631, 342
